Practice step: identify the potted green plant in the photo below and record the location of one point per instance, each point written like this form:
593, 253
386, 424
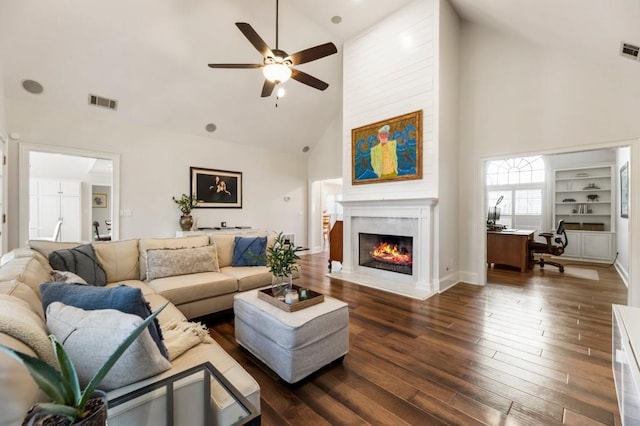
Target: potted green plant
186, 203
281, 258
70, 404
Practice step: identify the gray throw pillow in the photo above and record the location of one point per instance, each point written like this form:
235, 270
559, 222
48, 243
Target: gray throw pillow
90, 337
82, 261
168, 262
122, 298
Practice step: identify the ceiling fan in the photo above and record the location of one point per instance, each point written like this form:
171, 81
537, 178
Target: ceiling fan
278, 65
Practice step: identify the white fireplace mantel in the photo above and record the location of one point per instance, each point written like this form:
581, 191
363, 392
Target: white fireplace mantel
384, 213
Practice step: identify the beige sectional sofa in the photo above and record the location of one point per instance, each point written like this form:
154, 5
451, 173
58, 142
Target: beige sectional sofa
191, 295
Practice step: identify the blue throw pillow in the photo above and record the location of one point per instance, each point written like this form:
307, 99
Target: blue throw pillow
82, 261
122, 298
249, 251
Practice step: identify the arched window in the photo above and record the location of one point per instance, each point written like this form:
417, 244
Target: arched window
520, 181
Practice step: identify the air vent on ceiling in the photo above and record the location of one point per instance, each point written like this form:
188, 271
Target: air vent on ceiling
103, 102
629, 51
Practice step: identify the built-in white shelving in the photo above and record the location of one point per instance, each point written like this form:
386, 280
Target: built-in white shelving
585, 198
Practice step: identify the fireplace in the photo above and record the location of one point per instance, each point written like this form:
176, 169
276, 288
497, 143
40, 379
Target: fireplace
387, 252
412, 218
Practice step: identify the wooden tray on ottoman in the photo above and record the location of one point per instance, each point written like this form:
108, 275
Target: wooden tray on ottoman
313, 299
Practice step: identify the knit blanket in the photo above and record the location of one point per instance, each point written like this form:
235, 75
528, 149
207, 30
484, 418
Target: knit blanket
20, 322
180, 336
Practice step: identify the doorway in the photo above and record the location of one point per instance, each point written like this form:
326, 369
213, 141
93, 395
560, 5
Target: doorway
325, 209
585, 169
57, 192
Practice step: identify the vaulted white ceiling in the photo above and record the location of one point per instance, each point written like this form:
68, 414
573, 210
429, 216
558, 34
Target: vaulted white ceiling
152, 55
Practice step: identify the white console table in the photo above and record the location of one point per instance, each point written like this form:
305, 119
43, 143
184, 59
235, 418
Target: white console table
625, 362
230, 230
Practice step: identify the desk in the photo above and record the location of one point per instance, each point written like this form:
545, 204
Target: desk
509, 247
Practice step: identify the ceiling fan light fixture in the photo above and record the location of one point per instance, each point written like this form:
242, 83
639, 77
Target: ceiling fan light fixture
276, 72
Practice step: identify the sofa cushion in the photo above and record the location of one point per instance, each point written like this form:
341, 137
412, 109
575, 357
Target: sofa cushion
119, 259
24, 292
249, 251
80, 260
122, 298
144, 287
145, 244
18, 320
18, 253
18, 391
90, 337
169, 314
27, 270
224, 244
45, 247
168, 262
249, 277
187, 288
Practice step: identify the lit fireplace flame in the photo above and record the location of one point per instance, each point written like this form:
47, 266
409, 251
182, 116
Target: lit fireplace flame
389, 253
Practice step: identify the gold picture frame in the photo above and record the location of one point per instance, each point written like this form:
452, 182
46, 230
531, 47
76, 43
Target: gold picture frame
387, 150
99, 200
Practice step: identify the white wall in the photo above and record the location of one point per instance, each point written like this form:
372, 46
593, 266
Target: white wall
389, 71
325, 160
447, 147
3, 127
155, 165
623, 156
519, 99
4, 143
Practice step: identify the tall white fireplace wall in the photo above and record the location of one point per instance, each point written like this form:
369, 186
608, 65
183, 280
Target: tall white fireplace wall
406, 217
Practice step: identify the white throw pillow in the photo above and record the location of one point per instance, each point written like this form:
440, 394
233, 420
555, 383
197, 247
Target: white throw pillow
168, 262
90, 337
66, 277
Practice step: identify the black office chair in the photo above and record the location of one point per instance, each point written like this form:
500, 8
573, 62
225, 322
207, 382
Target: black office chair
96, 227
555, 248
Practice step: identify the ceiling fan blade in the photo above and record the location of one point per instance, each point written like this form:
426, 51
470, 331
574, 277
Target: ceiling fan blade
309, 80
267, 88
254, 39
236, 65
313, 53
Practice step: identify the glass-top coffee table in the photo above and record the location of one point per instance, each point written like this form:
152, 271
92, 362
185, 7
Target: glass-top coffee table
173, 397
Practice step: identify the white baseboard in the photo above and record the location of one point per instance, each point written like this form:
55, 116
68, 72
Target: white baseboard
448, 281
469, 277
624, 274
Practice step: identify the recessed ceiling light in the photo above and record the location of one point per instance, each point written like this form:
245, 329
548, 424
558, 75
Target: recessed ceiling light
336, 19
32, 86
210, 127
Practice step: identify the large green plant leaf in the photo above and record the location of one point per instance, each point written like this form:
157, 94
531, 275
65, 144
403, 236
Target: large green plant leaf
68, 371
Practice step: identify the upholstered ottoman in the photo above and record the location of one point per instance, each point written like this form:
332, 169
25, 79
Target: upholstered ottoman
293, 344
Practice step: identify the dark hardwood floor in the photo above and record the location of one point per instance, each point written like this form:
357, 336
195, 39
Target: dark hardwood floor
528, 348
